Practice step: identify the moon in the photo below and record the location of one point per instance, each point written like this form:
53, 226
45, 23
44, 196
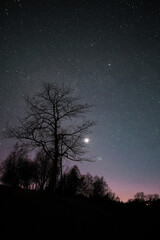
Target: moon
86, 140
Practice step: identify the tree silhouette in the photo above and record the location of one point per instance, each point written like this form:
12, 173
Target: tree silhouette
25, 170
15, 169
54, 122
88, 185
73, 181
140, 196
99, 187
152, 197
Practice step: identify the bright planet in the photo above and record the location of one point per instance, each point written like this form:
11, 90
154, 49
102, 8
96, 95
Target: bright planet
86, 140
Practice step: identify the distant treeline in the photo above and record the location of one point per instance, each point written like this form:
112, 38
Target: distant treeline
17, 170
148, 199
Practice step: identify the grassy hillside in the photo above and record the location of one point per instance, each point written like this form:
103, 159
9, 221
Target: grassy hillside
34, 214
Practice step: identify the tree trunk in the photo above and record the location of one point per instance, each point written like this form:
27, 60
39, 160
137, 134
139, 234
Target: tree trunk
54, 170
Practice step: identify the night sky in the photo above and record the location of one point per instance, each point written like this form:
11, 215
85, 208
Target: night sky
109, 52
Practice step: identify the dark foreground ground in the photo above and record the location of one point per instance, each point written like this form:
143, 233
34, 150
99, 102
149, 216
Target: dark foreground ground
30, 214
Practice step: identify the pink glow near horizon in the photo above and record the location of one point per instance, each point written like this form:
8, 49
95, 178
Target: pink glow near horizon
127, 191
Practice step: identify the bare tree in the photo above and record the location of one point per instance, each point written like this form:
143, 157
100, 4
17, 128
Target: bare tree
140, 196
55, 122
152, 197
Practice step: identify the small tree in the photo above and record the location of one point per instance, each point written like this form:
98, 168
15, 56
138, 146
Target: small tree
54, 122
26, 172
99, 187
111, 196
11, 168
9, 174
152, 197
73, 181
88, 185
140, 196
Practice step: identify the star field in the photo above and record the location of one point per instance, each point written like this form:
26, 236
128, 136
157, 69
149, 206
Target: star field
109, 52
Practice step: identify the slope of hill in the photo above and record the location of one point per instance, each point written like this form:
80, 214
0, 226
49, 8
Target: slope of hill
34, 214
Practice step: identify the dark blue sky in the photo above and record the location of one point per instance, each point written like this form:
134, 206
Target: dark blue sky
109, 51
